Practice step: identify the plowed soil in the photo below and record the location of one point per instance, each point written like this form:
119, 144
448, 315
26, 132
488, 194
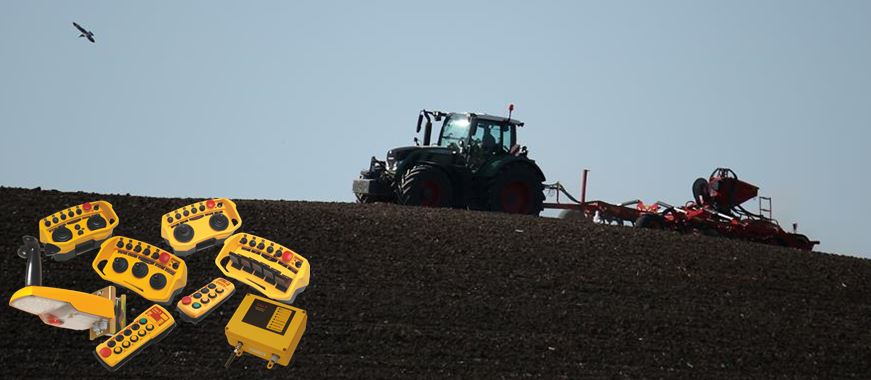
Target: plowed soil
400, 292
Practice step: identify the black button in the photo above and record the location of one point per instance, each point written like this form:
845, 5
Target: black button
96, 222
78, 227
298, 264
137, 248
140, 269
277, 253
212, 286
169, 220
202, 208
62, 234
129, 246
193, 210
177, 216
81, 232
147, 251
63, 217
197, 295
78, 211
183, 233
157, 281
252, 243
219, 222
134, 326
119, 337
127, 332
261, 245
54, 220
96, 207
110, 343
204, 290
243, 240
175, 265
186, 213
155, 255
119, 244
269, 249
71, 213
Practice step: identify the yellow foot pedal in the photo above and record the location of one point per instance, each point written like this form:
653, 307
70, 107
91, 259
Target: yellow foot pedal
274, 270
204, 301
145, 269
148, 328
200, 225
266, 329
76, 230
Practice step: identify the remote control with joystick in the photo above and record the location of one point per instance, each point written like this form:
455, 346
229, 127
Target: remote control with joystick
148, 328
276, 271
199, 226
76, 230
145, 269
195, 307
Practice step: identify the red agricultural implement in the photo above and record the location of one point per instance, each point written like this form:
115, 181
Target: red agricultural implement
715, 210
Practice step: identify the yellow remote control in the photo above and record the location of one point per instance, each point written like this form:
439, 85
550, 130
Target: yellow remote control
199, 225
76, 230
148, 328
274, 270
151, 272
204, 301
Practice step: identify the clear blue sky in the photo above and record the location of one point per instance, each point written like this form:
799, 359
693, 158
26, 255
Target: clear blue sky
288, 100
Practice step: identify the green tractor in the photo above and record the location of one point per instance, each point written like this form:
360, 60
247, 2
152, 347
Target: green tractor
476, 164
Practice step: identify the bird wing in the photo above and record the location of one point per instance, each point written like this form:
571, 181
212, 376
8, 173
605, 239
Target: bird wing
79, 27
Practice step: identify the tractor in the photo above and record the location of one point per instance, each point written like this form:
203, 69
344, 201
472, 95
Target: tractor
476, 163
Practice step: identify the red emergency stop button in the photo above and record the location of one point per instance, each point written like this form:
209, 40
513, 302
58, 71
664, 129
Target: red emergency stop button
286, 256
164, 257
186, 300
86, 206
105, 352
210, 203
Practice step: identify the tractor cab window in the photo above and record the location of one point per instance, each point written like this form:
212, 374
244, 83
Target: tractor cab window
491, 136
456, 129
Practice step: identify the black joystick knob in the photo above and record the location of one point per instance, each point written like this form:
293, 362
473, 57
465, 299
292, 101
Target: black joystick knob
183, 233
157, 281
219, 222
62, 234
96, 222
119, 265
140, 269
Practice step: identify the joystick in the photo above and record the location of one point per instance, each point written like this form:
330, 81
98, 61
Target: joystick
76, 230
199, 226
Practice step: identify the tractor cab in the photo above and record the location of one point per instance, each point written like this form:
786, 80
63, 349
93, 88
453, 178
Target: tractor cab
475, 137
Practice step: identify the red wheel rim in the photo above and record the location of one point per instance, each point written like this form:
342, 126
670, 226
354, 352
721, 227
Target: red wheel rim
515, 198
431, 194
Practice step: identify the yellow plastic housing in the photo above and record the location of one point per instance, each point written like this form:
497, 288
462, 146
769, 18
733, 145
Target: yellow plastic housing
143, 266
81, 237
196, 219
266, 329
199, 304
275, 270
148, 328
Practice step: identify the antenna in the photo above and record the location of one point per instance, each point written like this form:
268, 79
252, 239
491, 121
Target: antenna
510, 110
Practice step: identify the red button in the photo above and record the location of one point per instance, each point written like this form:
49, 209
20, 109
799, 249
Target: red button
286, 256
86, 206
186, 300
210, 203
164, 257
105, 352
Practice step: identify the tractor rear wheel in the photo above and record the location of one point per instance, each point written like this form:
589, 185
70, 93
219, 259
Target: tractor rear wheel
652, 221
517, 189
427, 186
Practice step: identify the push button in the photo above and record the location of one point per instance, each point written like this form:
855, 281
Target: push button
213, 295
134, 326
186, 300
86, 206
117, 350
164, 257
149, 327
128, 332
143, 321
205, 301
110, 343
141, 333
212, 286
196, 305
105, 352
197, 295
119, 337
219, 290
134, 339
125, 344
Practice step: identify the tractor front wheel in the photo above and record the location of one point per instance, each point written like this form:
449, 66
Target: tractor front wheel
516, 190
427, 186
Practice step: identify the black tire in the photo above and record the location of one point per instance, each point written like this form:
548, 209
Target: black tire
427, 186
701, 192
652, 221
517, 189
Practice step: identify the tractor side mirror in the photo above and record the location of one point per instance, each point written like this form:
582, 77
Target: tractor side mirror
419, 122
416, 141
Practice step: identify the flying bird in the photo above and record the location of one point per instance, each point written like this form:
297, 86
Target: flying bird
85, 33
